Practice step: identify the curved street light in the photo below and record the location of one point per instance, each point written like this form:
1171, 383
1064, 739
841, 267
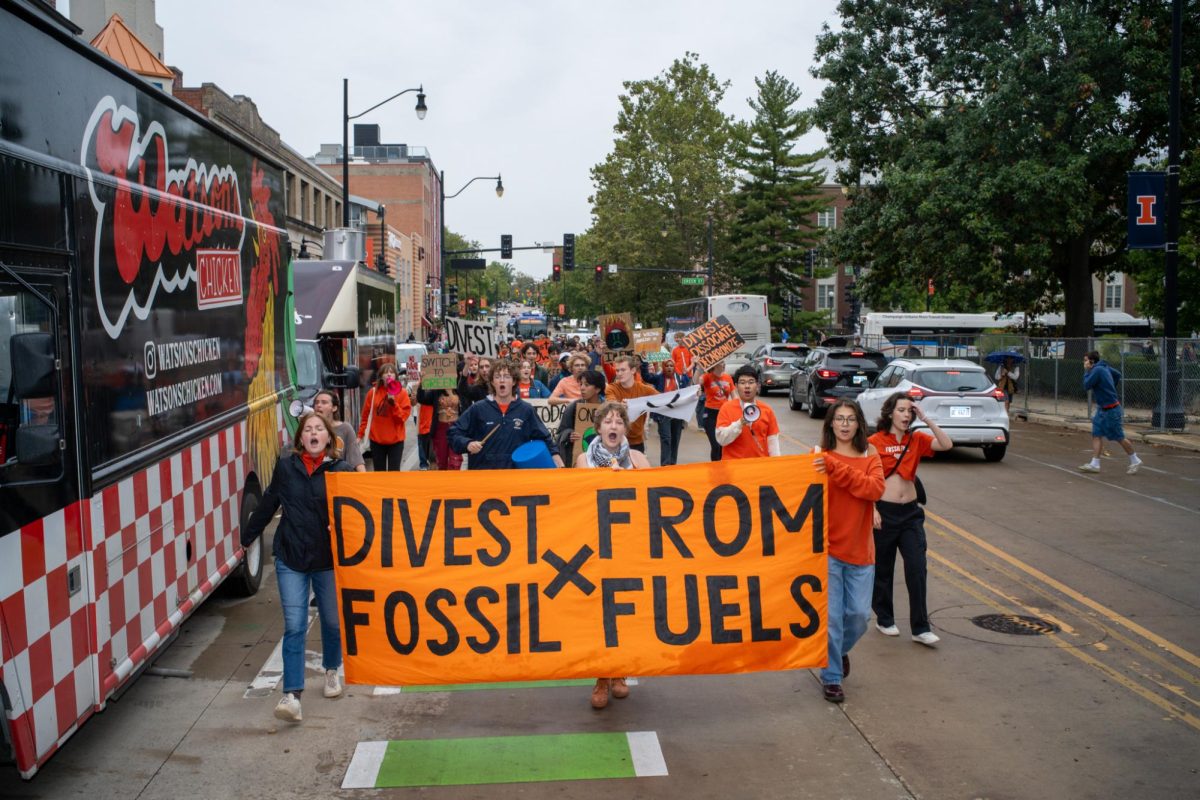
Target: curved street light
442, 215
421, 110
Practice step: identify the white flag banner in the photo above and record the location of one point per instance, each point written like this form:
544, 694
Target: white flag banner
680, 404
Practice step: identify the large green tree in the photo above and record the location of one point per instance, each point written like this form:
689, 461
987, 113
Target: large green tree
668, 178
988, 142
778, 197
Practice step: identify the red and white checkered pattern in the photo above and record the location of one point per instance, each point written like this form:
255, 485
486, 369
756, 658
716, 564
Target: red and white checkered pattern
63, 656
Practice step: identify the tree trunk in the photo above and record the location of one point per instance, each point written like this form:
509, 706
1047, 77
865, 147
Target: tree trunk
1079, 311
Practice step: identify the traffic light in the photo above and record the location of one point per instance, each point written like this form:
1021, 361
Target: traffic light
558, 272
506, 245
470, 304
599, 273
453, 294
568, 251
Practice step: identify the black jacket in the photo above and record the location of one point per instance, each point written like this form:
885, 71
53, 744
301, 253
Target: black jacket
302, 538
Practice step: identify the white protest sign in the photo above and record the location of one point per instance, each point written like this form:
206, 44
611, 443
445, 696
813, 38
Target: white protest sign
470, 338
550, 415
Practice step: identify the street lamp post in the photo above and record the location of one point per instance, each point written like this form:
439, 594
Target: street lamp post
421, 108
442, 197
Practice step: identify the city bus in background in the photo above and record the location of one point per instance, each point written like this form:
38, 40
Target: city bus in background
746, 312
957, 335
528, 326
145, 367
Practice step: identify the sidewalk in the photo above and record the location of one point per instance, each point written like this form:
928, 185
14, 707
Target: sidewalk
1074, 416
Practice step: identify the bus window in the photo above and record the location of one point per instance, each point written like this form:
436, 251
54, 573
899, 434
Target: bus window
30, 431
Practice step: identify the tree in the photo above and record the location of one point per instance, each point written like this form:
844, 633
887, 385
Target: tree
777, 201
988, 142
670, 171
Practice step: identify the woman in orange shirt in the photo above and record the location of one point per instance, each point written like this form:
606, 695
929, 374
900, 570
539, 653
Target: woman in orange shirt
855, 482
717, 387
391, 406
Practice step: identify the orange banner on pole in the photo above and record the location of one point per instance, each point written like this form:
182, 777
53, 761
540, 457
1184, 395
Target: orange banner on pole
451, 577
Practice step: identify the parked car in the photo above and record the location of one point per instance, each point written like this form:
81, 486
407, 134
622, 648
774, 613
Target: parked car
958, 395
408, 358
831, 373
775, 364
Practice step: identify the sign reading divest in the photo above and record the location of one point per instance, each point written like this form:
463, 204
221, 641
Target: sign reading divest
470, 338
706, 568
712, 341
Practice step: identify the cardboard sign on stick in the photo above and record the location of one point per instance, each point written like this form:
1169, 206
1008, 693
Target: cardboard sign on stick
712, 342
616, 331
647, 341
439, 371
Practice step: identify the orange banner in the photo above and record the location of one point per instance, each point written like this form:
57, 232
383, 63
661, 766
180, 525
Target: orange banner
455, 577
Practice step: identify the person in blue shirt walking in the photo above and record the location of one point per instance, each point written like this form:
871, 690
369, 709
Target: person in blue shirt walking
492, 428
1101, 380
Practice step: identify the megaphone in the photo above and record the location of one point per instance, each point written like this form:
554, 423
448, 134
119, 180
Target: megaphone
394, 387
298, 409
750, 413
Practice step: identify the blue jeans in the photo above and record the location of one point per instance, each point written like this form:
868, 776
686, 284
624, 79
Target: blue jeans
293, 596
670, 431
849, 593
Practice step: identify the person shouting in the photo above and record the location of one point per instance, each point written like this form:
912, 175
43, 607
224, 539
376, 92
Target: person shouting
592, 384
493, 428
744, 428
385, 413
528, 386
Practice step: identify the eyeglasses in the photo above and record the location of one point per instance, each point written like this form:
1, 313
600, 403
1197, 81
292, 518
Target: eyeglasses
844, 420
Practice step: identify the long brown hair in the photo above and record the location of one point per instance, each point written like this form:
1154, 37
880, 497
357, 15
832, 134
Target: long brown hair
331, 449
829, 440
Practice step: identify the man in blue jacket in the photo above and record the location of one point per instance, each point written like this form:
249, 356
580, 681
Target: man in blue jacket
1101, 380
492, 428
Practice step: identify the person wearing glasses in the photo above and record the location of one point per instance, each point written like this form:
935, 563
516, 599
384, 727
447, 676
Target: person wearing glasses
854, 482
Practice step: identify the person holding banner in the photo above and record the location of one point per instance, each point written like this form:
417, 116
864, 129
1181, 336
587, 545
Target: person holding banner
626, 386
744, 428
717, 387
854, 482
530, 387
325, 403
611, 450
303, 554
492, 428
591, 387
385, 419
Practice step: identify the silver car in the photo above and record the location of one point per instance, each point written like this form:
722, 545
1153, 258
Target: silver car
775, 364
958, 395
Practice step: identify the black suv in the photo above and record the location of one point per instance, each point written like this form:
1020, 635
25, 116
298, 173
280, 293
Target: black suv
831, 373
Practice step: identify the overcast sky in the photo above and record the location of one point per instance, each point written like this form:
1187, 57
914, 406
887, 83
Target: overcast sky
526, 89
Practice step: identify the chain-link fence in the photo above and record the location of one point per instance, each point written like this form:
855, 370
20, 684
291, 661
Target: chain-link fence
1051, 371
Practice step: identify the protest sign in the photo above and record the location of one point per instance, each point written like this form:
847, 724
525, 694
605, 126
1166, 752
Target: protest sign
439, 371
470, 338
711, 342
659, 355
584, 413
678, 404
551, 416
447, 577
616, 331
647, 341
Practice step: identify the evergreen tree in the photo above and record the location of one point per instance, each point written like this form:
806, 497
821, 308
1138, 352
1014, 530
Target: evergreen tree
776, 204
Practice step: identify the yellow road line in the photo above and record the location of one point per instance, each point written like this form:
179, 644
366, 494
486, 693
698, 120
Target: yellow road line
1078, 597
1167, 706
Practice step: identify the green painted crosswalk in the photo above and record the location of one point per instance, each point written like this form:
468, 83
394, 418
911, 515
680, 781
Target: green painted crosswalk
504, 759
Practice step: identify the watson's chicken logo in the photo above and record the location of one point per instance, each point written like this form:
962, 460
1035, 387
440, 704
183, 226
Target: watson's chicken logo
158, 229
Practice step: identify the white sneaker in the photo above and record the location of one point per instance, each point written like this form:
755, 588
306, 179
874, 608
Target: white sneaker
288, 708
887, 630
1088, 467
333, 683
1133, 468
928, 638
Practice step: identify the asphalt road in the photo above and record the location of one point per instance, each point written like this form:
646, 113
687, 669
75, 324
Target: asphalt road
1106, 704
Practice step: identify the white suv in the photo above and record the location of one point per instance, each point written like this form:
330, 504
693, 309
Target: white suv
958, 395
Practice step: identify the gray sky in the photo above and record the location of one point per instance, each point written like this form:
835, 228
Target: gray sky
527, 89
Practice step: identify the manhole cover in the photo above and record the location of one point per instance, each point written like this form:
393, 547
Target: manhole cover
1014, 624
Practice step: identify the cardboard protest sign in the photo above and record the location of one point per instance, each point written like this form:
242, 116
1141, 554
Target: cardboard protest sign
551, 416
616, 331
470, 338
439, 371
659, 355
584, 414
711, 342
647, 341
449, 577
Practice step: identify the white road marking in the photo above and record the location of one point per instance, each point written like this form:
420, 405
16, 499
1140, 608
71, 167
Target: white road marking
647, 755
364, 766
268, 677
1090, 477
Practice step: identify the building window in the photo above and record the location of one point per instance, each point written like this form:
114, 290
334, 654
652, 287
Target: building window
1114, 292
826, 292
827, 218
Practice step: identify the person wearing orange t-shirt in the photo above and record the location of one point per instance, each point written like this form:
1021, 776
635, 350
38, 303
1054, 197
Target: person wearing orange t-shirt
626, 386
854, 481
717, 387
742, 437
899, 518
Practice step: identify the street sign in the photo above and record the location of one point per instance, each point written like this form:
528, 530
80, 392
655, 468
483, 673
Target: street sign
612, 269
468, 263
690, 281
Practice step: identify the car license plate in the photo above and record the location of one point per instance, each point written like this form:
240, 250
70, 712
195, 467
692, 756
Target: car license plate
959, 412
860, 380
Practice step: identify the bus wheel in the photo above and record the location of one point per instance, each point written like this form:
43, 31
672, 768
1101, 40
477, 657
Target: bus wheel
245, 581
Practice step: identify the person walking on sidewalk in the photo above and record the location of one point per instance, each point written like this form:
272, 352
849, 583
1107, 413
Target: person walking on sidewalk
855, 482
899, 519
384, 420
1102, 380
303, 554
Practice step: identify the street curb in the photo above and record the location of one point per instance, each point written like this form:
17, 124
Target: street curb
1181, 441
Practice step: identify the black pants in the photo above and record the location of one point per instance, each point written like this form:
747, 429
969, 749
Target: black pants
640, 447
904, 530
670, 431
387, 457
710, 428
